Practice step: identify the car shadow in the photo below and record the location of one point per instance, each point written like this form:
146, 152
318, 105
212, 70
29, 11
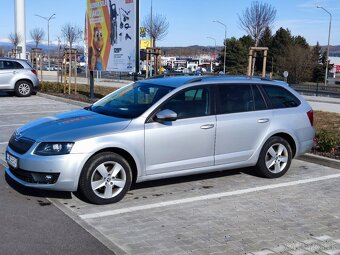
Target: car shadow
26, 191
6, 94
195, 177
135, 186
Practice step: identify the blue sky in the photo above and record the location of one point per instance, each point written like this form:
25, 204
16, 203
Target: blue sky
190, 20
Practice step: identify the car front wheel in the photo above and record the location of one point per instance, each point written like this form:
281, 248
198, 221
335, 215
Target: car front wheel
23, 88
105, 178
275, 158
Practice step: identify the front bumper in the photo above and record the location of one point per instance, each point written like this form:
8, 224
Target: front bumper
59, 173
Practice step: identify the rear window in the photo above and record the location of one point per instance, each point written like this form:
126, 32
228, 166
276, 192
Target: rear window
281, 97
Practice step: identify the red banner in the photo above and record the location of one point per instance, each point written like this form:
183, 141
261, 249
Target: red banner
337, 68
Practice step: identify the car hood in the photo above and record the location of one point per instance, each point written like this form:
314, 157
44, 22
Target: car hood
72, 126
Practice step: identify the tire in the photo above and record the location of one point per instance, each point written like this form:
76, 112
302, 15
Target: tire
275, 158
23, 88
105, 178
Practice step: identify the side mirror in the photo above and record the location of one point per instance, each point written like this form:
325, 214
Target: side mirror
166, 115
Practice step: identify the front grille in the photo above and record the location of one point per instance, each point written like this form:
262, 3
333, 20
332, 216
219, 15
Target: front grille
21, 145
34, 177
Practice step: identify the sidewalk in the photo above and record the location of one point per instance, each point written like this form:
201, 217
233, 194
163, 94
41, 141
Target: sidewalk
326, 104
52, 77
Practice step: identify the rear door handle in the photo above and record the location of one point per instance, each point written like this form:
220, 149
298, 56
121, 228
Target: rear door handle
263, 120
207, 126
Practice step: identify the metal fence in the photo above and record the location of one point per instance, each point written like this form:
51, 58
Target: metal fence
318, 90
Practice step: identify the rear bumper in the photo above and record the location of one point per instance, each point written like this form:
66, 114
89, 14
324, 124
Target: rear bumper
305, 147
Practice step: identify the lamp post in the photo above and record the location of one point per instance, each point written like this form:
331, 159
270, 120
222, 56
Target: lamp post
151, 39
212, 38
225, 42
48, 36
329, 35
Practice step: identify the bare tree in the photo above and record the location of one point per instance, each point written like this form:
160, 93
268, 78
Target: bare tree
71, 33
256, 19
15, 39
37, 34
156, 26
298, 61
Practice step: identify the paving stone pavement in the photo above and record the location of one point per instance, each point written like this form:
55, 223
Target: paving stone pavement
288, 220
314, 245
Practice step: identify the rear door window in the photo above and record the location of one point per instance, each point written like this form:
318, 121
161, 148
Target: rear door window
10, 65
280, 97
259, 101
235, 98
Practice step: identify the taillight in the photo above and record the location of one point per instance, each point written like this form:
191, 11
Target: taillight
34, 71
310, 117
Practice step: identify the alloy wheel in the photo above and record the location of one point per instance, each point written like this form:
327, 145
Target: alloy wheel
276, 158
108, 179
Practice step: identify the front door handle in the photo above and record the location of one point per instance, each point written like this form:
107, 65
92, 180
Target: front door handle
207, 126
263, 120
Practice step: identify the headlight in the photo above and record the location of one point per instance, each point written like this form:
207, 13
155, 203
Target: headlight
50, 149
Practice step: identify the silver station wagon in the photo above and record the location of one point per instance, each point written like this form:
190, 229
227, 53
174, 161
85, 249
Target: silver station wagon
160, 128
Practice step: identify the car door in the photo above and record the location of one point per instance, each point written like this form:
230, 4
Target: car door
7, 71
242, 122
189, 141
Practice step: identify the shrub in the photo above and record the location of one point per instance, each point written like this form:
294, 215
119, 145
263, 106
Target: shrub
83, 89
325, 140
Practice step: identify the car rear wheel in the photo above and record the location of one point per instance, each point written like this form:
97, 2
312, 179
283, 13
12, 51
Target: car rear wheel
105, 178
275, 158
23, 88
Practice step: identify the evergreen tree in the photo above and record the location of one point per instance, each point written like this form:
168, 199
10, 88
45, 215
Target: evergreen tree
281, 42
237, 55
266, 38
319, 65
265, 41
301, 41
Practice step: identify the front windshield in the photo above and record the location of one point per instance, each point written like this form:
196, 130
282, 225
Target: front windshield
130, 101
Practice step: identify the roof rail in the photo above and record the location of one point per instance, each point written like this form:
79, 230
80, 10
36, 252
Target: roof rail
194, 80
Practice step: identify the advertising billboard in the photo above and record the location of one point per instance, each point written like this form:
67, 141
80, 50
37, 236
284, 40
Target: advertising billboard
145, 44
111, 35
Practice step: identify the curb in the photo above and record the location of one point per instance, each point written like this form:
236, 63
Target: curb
321, 101
116, 250
333, 163
64, 100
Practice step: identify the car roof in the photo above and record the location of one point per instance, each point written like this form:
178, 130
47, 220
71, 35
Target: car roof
178, 81
13, 59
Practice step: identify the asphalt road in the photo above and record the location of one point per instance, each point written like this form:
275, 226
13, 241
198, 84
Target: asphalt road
30, 224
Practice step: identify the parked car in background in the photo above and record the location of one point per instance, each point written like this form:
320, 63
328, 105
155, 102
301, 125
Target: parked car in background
160, 128
18, 75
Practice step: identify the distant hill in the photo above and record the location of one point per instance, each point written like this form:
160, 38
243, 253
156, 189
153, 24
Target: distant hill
332, 49
189, 51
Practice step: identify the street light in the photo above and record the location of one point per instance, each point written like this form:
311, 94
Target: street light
212, 38
329, 35
225, 42
48, 35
